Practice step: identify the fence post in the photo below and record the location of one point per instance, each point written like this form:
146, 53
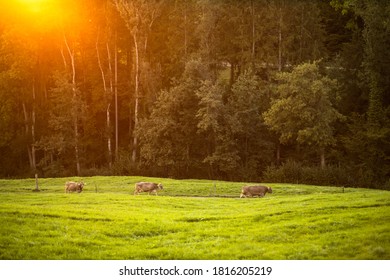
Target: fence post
36, 184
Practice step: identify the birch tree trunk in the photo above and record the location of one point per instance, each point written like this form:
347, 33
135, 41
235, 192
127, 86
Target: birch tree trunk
136, 96
75, 115
139, 17
29, 122
108, 94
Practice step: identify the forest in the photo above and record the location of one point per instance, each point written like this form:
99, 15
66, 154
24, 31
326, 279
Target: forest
253, 90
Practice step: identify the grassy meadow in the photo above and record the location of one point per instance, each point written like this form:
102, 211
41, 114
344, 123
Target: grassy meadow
190, 219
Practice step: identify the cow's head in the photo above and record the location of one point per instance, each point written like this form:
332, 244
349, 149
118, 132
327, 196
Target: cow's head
160, 186
80, 186
269, 190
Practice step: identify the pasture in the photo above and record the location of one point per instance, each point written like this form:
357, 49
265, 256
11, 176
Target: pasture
190, 219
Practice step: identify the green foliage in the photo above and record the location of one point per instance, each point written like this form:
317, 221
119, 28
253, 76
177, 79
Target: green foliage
295, 172
6, 109
214, 84
303, 109
168, 138
218, 126
368, 150
107, 222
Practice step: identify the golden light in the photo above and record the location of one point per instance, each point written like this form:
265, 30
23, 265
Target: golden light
34, 5
41, 14
44, 19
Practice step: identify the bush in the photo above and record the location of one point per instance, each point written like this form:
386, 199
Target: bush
123, 165
289, 172
94, 171
293, 172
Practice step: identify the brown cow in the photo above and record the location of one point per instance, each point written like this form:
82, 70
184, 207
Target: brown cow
255, 191
147, 187
74, 187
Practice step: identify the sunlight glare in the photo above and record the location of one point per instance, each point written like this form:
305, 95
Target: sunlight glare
34, 5
44, 12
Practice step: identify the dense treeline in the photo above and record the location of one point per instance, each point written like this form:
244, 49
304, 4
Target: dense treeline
289, 91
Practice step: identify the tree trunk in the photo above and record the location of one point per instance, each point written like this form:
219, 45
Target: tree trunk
280, 41
136, 97
279, 69
116, 97
33, 154
75, 117
109, 98
108, 127
322, 158
139, 17
26, 131
278, 148
107, 93
185, 31
301, 35
30, 145
253, 34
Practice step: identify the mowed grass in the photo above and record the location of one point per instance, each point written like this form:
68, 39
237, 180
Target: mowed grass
190, 219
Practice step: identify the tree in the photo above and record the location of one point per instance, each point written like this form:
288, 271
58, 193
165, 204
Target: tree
238, 144
168, 137
217, 127
139, 17
67, 113
303, 110
108, 73
368, 128
376, 62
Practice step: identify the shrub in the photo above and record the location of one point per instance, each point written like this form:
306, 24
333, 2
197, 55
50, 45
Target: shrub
123, 165
295, 173
289, 172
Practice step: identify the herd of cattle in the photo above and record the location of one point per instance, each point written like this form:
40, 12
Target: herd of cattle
246, 191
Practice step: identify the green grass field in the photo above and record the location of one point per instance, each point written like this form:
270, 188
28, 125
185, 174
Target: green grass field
190, 219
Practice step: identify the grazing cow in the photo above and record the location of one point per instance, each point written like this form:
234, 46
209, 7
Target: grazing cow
74, 187
252, 191
147, 187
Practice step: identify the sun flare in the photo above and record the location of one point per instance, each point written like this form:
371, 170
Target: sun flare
34, 5
39, 12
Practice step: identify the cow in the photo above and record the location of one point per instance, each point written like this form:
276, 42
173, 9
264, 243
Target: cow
74, 187
147, 187
252, 191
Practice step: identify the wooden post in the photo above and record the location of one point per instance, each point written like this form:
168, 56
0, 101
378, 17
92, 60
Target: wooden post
36, 184
213, 190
